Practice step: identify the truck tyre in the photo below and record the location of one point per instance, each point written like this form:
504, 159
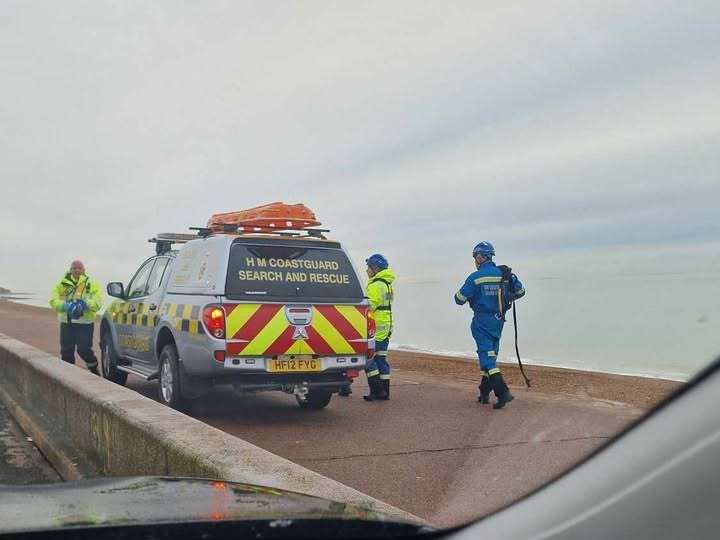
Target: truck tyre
109, 360
314, 400
169, 378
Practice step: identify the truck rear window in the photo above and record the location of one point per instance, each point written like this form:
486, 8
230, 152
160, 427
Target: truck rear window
290, 272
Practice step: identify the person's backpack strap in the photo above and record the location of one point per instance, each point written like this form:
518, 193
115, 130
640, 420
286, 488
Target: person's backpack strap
389, 306
387, 284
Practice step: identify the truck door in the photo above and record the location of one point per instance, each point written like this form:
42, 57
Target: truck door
131, 344
148, 310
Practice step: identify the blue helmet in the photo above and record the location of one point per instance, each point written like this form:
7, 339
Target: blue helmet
485, 249
76, 309
377, 260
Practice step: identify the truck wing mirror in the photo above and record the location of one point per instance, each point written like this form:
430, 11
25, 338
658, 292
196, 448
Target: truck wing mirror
116, 289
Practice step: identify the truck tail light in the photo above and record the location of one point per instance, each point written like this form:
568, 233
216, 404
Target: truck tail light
214, 319
371, 335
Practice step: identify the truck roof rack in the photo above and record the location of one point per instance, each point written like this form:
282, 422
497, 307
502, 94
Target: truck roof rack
164, 241
290, 232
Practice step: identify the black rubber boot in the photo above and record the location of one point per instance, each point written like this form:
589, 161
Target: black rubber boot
345, 391
385, 388
501, 391
485, 390
372, 385
376, 390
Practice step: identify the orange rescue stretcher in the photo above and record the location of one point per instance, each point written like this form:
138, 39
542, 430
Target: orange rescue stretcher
267, 218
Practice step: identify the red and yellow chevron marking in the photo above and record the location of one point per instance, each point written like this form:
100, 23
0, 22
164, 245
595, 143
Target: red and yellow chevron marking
263, 330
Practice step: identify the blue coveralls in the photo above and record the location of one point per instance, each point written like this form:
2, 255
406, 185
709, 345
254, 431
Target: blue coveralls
379, 362
483, 290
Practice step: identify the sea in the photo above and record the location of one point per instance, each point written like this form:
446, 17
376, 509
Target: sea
663, 325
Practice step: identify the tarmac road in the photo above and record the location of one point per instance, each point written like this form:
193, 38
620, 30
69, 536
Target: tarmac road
431, 450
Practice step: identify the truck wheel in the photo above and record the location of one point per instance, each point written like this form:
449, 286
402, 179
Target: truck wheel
109, 360
169, 377
314, 400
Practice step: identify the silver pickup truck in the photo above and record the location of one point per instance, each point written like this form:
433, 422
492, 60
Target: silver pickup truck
256, 311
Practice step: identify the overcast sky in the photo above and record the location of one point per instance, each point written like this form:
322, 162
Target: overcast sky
412, 128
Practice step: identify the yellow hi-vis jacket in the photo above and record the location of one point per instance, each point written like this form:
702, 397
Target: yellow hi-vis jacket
380, 294
67, 290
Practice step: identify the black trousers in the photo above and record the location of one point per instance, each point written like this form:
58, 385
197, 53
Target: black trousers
78, 336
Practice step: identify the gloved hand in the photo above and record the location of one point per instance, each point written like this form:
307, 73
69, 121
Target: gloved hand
65, 306
82, 303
